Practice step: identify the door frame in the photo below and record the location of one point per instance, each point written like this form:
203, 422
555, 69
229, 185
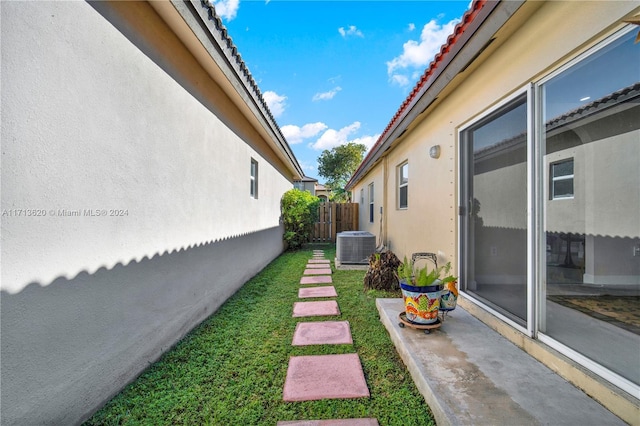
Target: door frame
464, 209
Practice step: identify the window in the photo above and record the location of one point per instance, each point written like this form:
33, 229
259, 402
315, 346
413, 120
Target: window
371, 202
562, 180
588, 122
403, 186
254, 179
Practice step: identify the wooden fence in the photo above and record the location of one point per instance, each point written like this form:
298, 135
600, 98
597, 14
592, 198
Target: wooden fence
334, 218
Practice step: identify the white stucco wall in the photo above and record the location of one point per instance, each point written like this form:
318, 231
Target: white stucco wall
90, 124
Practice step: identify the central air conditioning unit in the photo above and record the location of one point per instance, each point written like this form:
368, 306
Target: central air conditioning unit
355, 247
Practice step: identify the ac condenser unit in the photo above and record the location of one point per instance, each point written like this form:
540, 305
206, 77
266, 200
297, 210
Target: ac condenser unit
355, 247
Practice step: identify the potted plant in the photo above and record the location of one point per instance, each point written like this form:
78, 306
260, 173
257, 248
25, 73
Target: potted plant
421, 290
449, 294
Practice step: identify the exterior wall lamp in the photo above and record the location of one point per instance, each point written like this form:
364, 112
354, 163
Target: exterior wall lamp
434, 151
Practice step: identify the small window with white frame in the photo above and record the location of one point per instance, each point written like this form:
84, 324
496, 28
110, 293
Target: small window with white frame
562, 179
254, 179
403, 185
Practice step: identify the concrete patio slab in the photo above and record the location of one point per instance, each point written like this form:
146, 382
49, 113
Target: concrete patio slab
318, 266
323, 271
316, 279
326, 261
315, 309
324, 291
322, 333
341, 422
315, 377
470, 374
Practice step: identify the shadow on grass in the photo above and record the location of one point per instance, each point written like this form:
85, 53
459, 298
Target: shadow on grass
230, 370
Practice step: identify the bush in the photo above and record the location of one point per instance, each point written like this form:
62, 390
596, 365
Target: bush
382, 272
299, 214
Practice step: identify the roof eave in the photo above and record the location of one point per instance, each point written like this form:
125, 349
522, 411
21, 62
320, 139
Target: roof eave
227, 68
472, 35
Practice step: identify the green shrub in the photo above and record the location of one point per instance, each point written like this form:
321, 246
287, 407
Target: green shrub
299, 214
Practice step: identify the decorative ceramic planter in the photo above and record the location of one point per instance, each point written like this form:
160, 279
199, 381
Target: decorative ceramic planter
421, 303
448, 298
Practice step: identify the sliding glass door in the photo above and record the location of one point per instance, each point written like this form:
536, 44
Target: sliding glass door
590, 147
550, 210
494, 210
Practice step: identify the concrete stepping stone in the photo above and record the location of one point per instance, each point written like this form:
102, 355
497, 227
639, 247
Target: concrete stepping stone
323, 271
316, 279
322, 333
318, 252
318, 266
315, 309
319, 261
323, 291
315, 377
336, 422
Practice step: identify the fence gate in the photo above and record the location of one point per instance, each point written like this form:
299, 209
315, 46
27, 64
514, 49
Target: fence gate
334, 218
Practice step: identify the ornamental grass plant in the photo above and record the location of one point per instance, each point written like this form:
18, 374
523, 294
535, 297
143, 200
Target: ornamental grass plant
230, 370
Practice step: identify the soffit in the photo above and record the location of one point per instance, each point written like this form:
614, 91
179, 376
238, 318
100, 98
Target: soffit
462, 54
202, 32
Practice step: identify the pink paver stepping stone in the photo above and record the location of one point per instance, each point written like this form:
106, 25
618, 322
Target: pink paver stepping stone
314, 377
324, 291
319, 261
316, 279
336, 422
315, 309
322, 333
318, 265
323, 271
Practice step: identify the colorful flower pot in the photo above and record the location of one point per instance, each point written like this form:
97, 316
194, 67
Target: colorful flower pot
421, 303
448, 298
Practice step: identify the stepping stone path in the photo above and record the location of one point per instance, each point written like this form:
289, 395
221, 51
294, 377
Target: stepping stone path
315, 377
322, 279
323, 271
324, 291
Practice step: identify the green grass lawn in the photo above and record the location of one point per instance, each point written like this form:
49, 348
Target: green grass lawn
230, 370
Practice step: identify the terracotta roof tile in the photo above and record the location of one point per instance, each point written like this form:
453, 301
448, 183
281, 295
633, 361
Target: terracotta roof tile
459, 29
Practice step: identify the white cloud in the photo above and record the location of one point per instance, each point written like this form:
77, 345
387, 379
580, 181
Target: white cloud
226, 9
367, 141
351, 31
275, 102
307, 167
294, 134
418, 54
326, 95
412, 26
400, 80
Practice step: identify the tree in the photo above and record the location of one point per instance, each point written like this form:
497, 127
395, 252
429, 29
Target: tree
337, 165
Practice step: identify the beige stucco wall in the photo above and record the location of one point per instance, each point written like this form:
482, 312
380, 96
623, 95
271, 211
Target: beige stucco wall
102, 113
534, 43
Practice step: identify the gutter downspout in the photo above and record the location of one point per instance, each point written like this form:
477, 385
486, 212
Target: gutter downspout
385, 201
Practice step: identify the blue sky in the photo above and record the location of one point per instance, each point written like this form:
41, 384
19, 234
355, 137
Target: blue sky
334, 72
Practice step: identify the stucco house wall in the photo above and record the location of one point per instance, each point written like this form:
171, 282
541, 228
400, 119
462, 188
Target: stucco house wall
498, 64
127, 217
507, 66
